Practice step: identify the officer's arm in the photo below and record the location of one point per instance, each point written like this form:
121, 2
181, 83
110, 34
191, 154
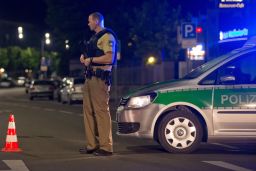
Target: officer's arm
107, 58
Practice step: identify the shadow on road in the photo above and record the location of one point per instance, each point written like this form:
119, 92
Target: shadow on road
204, 149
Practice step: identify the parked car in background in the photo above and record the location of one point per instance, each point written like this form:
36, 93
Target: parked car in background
27, 85
41, 88
20, 81
60, 84
73, 91
7, 82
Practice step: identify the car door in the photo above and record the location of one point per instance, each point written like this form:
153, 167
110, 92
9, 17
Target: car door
234, 97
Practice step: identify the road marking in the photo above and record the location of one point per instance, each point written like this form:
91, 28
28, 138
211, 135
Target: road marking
15, 165
7, 111
227, 165
66, 112
35, 108
22, 106
49, 110
226, 146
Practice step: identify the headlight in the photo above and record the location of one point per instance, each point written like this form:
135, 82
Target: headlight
140, 101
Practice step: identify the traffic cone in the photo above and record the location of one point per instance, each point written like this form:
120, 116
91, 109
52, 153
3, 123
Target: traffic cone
11, 144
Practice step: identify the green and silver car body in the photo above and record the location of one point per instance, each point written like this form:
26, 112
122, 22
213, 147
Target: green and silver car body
216, 100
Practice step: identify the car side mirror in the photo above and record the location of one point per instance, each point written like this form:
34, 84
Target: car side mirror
227, 79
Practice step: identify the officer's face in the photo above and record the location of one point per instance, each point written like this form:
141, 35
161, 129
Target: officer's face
92, 23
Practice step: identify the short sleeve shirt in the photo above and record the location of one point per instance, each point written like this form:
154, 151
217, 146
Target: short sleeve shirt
107, 43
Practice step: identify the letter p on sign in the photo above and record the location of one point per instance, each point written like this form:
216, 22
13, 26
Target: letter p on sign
188, 31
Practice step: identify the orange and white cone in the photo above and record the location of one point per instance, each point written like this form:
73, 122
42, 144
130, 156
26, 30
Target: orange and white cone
11, 144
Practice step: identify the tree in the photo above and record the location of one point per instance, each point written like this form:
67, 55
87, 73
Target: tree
153, 30
15, 60
3, 57
67, 20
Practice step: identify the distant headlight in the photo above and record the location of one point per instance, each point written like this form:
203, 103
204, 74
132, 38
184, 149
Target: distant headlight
141, 101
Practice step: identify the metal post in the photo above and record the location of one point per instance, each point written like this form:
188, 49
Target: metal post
42, 48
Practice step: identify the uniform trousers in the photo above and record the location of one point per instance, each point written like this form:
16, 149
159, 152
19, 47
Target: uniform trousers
97, 119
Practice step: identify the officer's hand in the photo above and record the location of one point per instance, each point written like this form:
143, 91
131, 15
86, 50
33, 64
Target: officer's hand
82, 58
86, 61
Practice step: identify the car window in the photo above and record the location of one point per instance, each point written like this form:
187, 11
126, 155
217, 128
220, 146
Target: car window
43, 83
242, 70
205, 67
209, 79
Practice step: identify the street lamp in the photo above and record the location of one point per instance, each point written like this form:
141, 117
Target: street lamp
47, 41
47, 38
20, 32
151, 60
44, 63
67, 44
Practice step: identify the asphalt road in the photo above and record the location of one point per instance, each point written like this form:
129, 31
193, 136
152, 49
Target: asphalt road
50, 134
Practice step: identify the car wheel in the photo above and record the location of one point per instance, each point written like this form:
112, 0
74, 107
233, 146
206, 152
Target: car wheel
63, 101
70, 101
50, 97
59, 98
180, 132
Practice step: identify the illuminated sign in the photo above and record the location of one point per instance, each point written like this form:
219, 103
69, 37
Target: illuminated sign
236, 33
196, 53
231, 4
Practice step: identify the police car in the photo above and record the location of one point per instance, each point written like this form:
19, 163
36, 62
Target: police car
215, 101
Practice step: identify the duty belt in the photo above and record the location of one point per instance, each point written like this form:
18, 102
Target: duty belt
99, 73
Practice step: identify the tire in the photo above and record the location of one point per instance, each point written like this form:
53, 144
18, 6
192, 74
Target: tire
50, 97
31, 98
70, 101
59, 98
180, 132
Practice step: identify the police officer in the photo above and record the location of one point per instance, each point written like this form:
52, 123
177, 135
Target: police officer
101, 55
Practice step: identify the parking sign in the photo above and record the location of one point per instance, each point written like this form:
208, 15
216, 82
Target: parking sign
188, 31
188, 35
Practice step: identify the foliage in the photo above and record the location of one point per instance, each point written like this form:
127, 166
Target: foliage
15, 59
153, 30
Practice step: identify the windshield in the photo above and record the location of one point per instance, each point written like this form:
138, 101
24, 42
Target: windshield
205, 67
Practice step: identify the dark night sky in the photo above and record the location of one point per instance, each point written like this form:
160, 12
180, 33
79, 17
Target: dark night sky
28, 11
34, 11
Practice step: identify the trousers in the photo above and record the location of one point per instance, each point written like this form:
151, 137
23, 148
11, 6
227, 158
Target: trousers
97, 118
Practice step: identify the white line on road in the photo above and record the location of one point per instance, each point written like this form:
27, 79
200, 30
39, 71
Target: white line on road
6, 111
15, 165
226, 146
66, 112
35, 108
227, 165
49, 110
